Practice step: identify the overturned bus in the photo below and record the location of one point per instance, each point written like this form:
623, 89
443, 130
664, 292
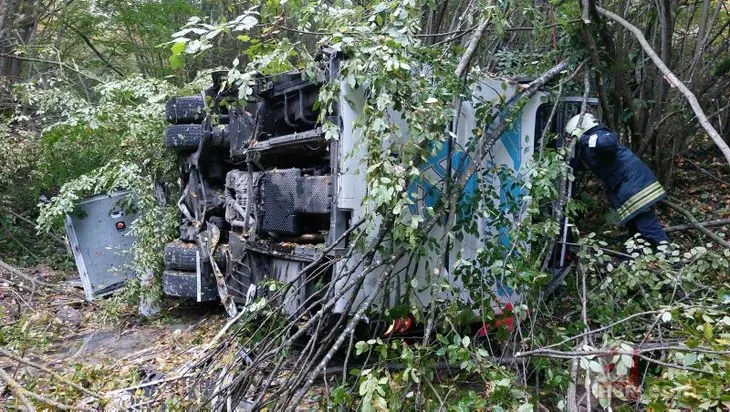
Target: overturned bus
264, 192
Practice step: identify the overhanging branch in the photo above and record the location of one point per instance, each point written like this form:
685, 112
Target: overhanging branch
673, 81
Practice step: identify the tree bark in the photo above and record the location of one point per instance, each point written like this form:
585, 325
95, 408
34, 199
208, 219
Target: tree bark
621, 94
659, 86
471, 48
699, 46
8, 8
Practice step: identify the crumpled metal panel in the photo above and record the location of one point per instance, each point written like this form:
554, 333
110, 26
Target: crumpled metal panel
101, 243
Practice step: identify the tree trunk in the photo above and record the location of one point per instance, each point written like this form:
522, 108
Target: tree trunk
18, 20
8, 8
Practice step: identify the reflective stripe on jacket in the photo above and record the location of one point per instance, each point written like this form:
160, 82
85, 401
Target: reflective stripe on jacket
632, 187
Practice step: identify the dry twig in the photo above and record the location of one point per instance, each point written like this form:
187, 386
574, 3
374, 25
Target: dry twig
24, 394
696, 224
53, 374
16, 272
707, 223
16, 389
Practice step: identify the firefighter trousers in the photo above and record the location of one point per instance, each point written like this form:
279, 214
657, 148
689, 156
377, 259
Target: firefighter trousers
648, 226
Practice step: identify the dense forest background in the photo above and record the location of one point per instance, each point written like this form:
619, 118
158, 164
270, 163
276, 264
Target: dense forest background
82, 91
58, 56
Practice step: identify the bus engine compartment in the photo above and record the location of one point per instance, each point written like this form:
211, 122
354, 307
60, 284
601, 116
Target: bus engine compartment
257, 180
266, 196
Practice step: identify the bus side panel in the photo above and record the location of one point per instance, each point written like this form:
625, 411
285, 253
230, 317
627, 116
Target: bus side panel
511, 152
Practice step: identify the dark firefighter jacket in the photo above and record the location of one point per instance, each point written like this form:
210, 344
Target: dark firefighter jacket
632, 187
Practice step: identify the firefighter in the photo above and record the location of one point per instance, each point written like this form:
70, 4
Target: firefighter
632, 187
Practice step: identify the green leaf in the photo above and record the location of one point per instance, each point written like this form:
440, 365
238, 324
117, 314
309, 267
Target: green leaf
707, 331
666, 317
596, 367
503, 382
414, 376
689, 359
627, 360
178, 47
466, 341
247, 23
526, 408
361, 347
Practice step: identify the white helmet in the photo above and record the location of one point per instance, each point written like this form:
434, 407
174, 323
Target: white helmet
573, 129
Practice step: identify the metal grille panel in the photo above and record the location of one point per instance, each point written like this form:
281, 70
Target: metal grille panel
285, 194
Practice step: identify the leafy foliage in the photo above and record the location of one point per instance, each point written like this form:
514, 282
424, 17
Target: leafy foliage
401, 57
126, 153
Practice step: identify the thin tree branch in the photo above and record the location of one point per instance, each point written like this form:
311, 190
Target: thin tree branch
471, 48
550, 353
95, 50
705, 172
22, 218
23, 394
60, 64
674, 82
584, 316
506, 29
708, 223
697, 224
15, 272
56, 376
17, 390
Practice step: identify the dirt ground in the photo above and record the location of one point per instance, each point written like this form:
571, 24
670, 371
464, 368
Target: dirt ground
58, 329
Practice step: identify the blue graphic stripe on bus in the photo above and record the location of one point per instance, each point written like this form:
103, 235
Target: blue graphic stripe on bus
425, 194
428, 194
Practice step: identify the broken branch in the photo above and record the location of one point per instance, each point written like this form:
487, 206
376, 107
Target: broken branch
674, 82
696, 224
471, 48
708, 223
15, 272
16, 389
23, 395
